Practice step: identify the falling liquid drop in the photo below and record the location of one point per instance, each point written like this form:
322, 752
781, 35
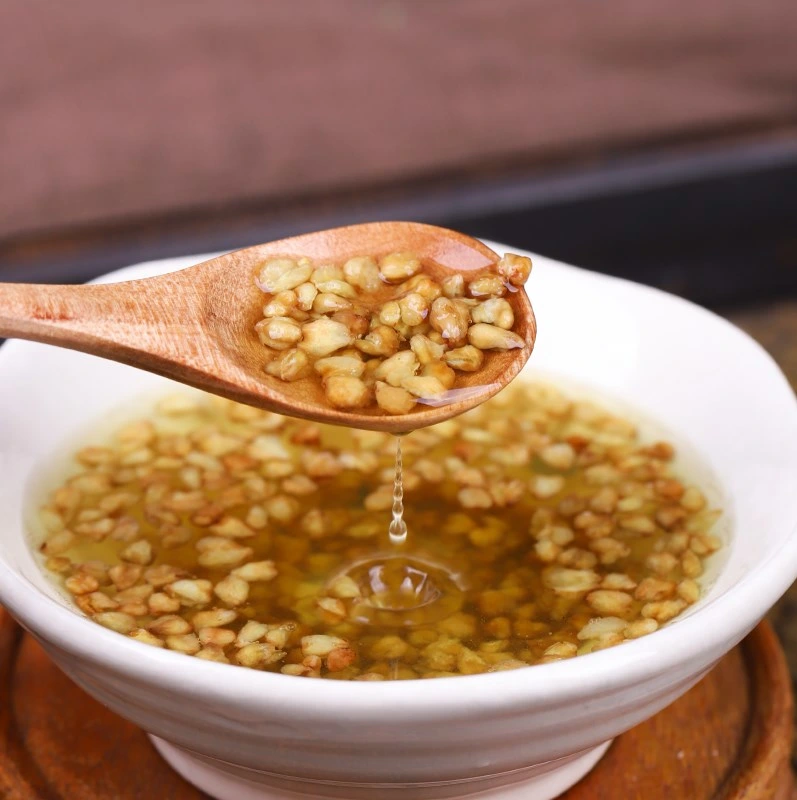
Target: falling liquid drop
398, 528
401, 589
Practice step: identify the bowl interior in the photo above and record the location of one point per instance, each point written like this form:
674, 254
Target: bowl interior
709, 386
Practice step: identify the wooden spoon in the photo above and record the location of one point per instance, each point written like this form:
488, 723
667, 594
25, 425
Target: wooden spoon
197, 325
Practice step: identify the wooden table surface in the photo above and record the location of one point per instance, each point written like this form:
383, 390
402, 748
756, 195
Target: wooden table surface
774, 325
726, 739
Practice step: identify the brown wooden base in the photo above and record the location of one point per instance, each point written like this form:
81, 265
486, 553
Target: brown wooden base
729, 738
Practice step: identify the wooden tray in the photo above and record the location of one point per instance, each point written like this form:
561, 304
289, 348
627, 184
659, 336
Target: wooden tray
729, 738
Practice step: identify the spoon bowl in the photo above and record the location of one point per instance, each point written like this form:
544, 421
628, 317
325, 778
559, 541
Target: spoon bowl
197, 326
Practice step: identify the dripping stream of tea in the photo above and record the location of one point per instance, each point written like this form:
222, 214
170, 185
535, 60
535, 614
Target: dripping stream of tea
399, 588
398, 527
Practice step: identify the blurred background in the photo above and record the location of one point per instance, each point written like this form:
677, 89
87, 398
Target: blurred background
652, 140
657, 141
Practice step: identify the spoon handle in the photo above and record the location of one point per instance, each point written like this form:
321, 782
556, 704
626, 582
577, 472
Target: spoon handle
63, 315
89, 318
140, 323
156, 324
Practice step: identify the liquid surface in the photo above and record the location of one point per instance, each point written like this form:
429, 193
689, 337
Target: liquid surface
537, 528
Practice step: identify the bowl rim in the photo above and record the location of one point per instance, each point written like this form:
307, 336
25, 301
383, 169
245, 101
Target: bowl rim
687, 640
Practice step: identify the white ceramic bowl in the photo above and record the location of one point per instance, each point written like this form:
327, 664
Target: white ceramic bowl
523, 734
